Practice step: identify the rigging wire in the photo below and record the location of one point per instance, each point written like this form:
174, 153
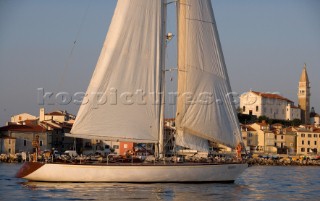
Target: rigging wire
69, 58
170, 85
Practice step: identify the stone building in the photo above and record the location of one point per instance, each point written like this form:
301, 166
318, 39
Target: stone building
57, 116
308, 140
290, 134
304, 96
22, 117
314, 118
270, 105
285, 139
7, 145
293, 112
250, 138
25, 134
266, 138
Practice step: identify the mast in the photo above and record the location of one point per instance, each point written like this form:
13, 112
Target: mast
163, 84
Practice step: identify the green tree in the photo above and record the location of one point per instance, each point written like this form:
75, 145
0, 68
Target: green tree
263, 118
296, 122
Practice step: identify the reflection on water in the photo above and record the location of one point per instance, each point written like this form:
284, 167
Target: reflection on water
257, 183
114, 191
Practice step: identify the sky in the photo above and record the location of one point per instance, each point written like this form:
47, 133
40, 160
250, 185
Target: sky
54, 45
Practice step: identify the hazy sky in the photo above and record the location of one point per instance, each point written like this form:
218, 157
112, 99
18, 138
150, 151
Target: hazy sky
265, 44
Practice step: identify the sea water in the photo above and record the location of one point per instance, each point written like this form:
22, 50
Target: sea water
256, 183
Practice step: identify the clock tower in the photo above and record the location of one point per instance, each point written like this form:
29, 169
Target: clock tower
304, 96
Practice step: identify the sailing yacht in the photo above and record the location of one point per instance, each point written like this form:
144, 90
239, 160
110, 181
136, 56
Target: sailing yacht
124, 100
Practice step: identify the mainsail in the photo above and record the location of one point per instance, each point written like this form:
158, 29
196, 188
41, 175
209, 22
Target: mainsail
205, 108
122, 100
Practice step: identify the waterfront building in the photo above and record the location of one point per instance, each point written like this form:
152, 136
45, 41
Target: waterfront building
279, 138
285, 139
308, 140
266, 138
125, 147
7, 145
290, 137
270, 105
250, 138
57, 116
314, 118
51, 128
304, 96
115, 146
103, 147
19, 118
293, 112
25, 135
59, 141
58, 123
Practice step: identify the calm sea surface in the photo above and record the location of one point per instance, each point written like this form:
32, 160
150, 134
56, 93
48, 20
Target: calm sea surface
257, 183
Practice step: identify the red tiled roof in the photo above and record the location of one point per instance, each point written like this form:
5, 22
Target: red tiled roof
249, 128
55, 114
309, 128
262, 124
271, 96
7, 137
289, 129
56, 124
295, 107
51, 125
67, 125
23, 128
71, 121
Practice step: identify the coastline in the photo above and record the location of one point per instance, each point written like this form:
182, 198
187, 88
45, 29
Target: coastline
282, 162
251, 161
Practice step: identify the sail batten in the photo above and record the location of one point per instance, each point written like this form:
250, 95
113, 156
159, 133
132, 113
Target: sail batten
122, 100
204, 107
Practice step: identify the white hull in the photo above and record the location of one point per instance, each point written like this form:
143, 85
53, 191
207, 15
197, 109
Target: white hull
133, 173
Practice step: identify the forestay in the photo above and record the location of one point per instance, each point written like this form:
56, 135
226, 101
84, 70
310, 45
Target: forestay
205, 110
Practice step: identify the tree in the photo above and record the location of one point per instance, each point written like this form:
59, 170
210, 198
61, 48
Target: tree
296, 122
263, 118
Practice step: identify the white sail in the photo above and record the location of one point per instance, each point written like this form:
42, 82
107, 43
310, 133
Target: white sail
122, 100
204, 107
184, 139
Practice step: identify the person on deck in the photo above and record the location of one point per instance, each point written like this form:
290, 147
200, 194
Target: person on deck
239, 148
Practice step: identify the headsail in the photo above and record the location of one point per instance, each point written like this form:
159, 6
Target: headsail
122, 100
205, 108
184, 139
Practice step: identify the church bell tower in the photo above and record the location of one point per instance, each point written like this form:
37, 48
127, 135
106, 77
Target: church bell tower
304, 96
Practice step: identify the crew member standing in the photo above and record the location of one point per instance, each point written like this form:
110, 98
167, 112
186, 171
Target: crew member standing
36, 148
239, 149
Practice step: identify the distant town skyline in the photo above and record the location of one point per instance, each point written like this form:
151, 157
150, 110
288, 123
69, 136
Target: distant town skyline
55, 45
